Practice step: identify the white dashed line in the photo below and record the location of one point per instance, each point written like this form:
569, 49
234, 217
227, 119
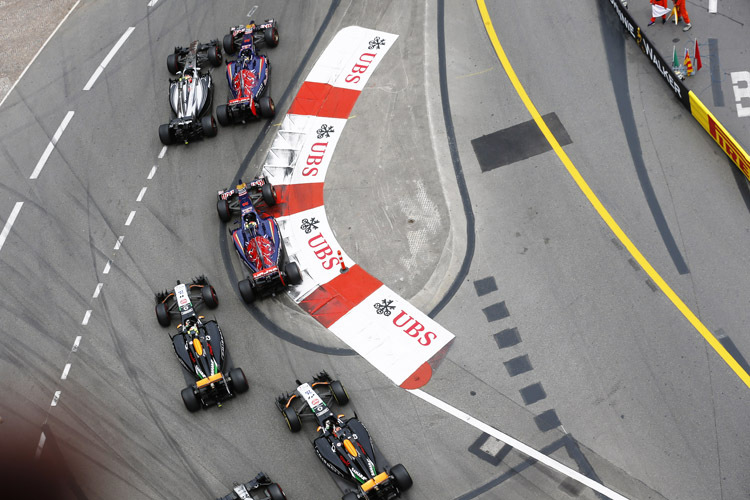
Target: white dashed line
98, 290
119, 242
76, 344
152, 173
106, 267
86, 318
712, 6
55, 398
65, 372
162, 152
40, 446
9, 223
140, 195
518, 445
109, 57
252, 11
51, 145
152, 3
130, 218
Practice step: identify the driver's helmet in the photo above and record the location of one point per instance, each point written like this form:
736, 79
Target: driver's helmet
247, 53
250, 222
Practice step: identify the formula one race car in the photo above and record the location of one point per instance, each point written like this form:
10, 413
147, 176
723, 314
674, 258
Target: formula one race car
260, 488
199, 345
344, 446
248, 74
191, 94
257, 239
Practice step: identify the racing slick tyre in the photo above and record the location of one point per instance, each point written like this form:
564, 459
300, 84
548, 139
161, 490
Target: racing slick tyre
239, 381
209, 126
214, 55
267, 107
228, 43
269, 194
292, 419
339, 393
350, 495
208, 294
162, 314
291, 269
173, 64
275, 492
402, 477
271, 37
222, 115
165, 135
246, 291
192, 403
225, 213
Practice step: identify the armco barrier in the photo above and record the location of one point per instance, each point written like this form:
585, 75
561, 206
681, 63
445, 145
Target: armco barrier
688, 99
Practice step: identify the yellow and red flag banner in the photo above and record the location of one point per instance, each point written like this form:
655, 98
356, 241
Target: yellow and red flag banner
688, 63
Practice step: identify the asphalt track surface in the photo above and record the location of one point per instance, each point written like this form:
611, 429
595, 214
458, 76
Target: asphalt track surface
562, 341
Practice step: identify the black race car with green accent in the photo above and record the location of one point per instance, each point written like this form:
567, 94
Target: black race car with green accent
259, 488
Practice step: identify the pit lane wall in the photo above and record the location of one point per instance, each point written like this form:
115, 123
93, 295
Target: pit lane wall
700, 112
384, 328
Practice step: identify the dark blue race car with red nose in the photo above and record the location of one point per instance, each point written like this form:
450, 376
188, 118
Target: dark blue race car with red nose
248, 74
257, 239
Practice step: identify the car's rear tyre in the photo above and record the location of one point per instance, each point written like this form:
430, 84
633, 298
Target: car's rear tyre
165, 135
228, 43
162, 314
222, 115
267, 107
173, 64
275, 492
209, 297
293, 275
222, 207
214, 55
292, 419
350, 495
402, 477
339, 393
192, 403
269, 194
271, 37
246, 291
239, 381
210, 129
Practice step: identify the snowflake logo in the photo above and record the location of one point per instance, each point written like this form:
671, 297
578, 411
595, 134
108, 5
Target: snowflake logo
309, 224
384, 307
376, 43
325, 130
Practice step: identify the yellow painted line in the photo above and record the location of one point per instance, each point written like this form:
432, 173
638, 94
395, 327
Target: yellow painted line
603, 213
477, 73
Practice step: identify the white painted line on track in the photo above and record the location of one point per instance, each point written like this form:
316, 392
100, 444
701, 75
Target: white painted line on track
140, 195
518, 445
712, 6
152, 3
162, 152
39, 52
55, 398
130, 218
51, 145
9, 223
65, 372
76, 344
119, 243
106, 267
252, 11
152, 173
86, 318
40, 446
109, 57
98, 290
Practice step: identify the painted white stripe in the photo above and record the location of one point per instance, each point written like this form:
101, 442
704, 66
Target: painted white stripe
109, 57
65, 372
712, 6
152, 3
106, 267
130, 218
86, 318
152, 173
140, 195
9, 223
51, 145
55, 398
252, 11
518, 445
39, 52
162, 152
118, 243
98, 290
76, 344
40, 446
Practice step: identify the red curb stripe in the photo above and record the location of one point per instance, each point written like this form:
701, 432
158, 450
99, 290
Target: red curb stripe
294, 198
322, 99
331, 301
